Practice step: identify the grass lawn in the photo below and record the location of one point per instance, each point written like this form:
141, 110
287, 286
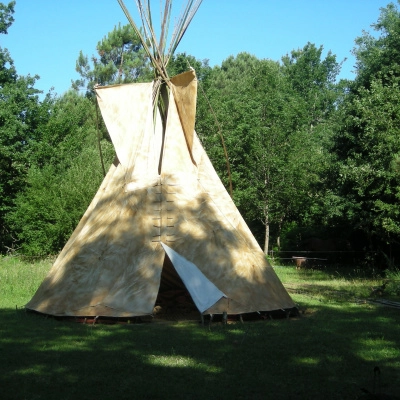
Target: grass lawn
328, 352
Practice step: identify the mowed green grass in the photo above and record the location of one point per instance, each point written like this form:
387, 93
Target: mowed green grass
328, 352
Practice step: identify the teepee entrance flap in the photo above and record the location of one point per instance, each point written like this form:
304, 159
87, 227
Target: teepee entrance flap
203, 292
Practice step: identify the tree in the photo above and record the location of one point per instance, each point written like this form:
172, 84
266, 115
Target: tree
20, 114
314, 79
368, 149
379, 57
63, 177
7, 70
213, 119
275, 147
367, 143
182, 62
6, 16
120, 59
282, 160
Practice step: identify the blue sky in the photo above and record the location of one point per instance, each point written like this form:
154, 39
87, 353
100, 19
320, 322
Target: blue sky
47, 35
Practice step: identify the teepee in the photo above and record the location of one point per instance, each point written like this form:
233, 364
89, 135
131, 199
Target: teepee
161, 223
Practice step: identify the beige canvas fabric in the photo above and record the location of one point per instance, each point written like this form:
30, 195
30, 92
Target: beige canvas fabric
113, 262
184, 87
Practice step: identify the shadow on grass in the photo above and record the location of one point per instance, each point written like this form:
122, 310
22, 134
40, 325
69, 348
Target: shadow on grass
330, 353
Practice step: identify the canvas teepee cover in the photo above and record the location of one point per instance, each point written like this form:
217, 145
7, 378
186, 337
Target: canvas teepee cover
161, 219
159, 200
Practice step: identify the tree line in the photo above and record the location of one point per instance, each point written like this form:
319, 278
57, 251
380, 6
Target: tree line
309, 156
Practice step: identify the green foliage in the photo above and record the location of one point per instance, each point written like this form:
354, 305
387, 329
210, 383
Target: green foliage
367, 143
313, 78
65, 174
55, 200
20, 114
368, 147
49, 163
379, 57
275, 141
393, 282
182, 62
8, 74
6, 16
63, 135
120, 59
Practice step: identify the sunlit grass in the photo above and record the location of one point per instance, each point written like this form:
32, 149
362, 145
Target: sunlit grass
20, 279
339, 283
177, 361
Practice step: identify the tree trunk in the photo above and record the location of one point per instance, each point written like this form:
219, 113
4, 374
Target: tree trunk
266, 242
278, 240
